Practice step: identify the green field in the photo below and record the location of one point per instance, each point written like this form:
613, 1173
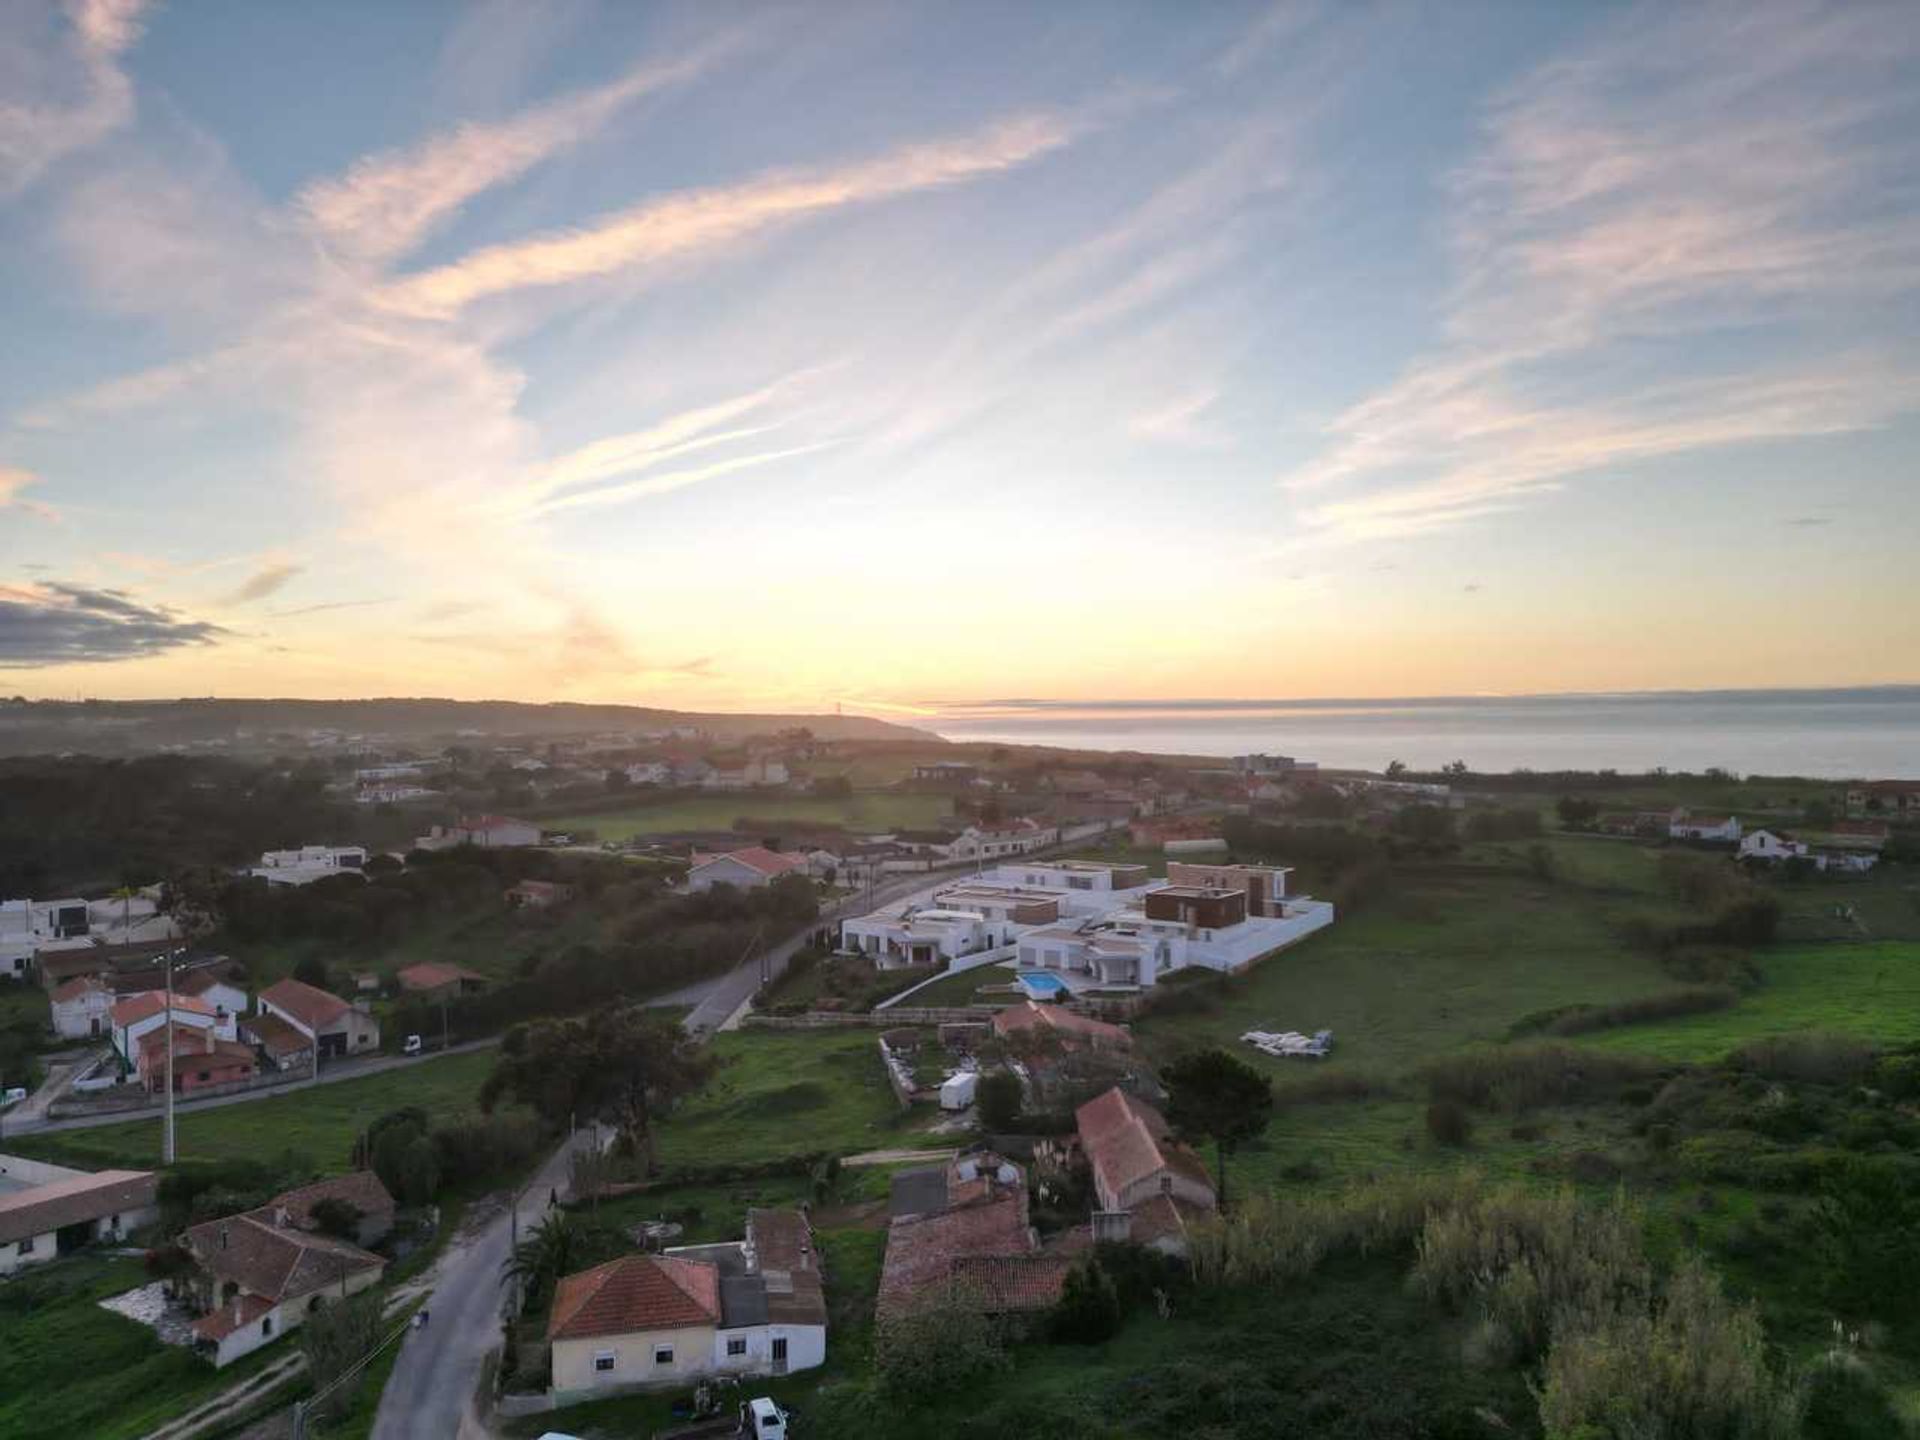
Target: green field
70, 1368
1871, 990
863, 811
312, 1127
787, 1093
963, 989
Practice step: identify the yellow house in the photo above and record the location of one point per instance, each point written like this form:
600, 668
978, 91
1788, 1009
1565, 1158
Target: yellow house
638, 1320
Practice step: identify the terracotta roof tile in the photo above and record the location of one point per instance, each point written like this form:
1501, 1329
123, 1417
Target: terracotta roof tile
277, 1261
432, 974
275, 1036
312, 1007
1127, 1141
754, 857
361, 1189
633, 1294
1057, 1019
921, 1249
76, 988
42, 1208
148, 1003
1003, 1283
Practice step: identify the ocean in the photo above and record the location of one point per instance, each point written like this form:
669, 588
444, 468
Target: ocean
1836, 734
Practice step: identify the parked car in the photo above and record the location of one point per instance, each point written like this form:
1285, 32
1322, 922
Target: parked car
13, 1096
413, 1046
761, 1419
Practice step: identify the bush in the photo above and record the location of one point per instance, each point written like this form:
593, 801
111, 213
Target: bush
1449, 1124
998, 1098
1819, 1058
942, 1343
1089, 1310
1523, 1076
1844, 1402
1666, 1005
1693, 1364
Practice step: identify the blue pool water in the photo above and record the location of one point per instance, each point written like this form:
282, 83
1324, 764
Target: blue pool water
1040, 985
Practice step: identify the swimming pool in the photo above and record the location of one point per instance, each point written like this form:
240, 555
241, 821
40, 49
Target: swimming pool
1041, 986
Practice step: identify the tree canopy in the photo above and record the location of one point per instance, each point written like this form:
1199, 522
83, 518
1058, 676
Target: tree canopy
1212, 1095
621, 1066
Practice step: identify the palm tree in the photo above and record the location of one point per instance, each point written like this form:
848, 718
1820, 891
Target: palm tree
560, 1245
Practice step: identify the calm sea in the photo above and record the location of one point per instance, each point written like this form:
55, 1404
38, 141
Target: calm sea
1833, 733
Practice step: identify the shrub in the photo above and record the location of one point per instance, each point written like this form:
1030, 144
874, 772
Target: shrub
1844, 1402
942, 1343
1693, 1364
998, 1098
1449, 1124
1328, 1087
1819, 1058
1089, 1310
1520, 1077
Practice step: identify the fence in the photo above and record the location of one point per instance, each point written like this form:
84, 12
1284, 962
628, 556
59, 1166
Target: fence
131, 1099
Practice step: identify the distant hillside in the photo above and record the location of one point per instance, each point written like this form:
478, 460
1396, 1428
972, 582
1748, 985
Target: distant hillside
134, 726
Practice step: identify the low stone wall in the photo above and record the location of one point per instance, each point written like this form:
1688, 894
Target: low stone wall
899, 1074
899, 1018
131, 1099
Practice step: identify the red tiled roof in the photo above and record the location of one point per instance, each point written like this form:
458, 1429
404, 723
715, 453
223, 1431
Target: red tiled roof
275, 1035
1127, 1140
432, 974
782, 1239
41, 1208
1068, 1024
311, 1007
198, 982
74, 989
1003, 1283
1160, 1217
361, 1189
755, 857
921, 1249
634, 1294
148, 1003
236, 1314
190, 1044
276, 1261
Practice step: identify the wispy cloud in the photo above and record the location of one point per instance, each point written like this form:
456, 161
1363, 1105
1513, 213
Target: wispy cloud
63, 624
14, 483
54, 103
330, 606
386, 204
1707, 197
1179, 421
658, 230
262, 583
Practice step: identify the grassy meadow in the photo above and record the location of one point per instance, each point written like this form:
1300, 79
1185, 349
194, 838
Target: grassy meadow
314, 1125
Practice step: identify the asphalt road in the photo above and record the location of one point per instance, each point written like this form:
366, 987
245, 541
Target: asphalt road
431, 1394
335, 1072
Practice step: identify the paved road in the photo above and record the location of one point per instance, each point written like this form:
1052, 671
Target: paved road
726, 996
332, 1075
431, 1393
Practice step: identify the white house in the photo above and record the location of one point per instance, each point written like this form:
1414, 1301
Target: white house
747, 868
228, 1000
1850, 862
137, 1014
488, 832
1168, 928
915, 935
996, 842
1685, 825
310, 863
27, 926
48, 1210
330, 1023
1771, 846
753, 775
260, 1274
755, 1307
650, 772
81, 1008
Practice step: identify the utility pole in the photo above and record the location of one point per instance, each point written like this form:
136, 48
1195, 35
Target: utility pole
166, 1139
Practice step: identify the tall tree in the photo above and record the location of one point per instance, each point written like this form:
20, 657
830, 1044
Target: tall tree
1212, 1095
625, 1067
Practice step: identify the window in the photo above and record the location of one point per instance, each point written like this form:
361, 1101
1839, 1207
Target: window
603, 1361
266, 1326
26, 1246
663, 1354
736, 1347
1166, 1184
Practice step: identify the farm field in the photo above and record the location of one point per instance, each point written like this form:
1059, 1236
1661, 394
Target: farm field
784, 1093
313, 1127
862, 811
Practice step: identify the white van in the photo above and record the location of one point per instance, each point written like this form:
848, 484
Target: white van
761, 1419
13, 1096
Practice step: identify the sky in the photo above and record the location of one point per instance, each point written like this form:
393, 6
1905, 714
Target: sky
900, 356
